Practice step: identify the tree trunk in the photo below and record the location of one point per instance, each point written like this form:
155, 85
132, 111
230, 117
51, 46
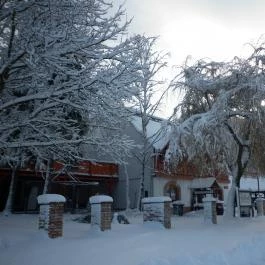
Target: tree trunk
141, 190
229, 211
237, 173
8, 206
127, 188
47, 178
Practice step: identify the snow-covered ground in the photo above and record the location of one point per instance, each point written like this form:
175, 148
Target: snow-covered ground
189, 242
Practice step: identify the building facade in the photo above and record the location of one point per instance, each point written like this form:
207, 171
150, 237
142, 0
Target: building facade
184, 185
76, 183
103, 175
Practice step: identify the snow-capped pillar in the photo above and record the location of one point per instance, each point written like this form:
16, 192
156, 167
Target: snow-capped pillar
209, 208
260, 203
51, 214
101, 211
157, 209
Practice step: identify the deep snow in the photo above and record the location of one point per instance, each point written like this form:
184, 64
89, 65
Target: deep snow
189, 242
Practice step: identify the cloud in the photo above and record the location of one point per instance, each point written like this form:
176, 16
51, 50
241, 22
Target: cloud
217, 29
227, 12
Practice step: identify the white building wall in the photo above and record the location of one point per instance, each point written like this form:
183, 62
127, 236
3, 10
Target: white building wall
134, 170
185, 192
225, 190
159, 184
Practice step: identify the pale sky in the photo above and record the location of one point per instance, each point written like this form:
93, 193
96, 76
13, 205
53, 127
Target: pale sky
215, 29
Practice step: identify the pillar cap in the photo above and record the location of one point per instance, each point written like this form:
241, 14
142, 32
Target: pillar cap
209, 199
49, 198
99, 199
260, 199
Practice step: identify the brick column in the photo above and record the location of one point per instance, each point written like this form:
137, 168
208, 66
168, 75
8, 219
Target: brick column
157, 209
209, 209
51, 214
260, 203
101, 211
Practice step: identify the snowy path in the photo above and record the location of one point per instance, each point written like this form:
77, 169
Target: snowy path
189, 242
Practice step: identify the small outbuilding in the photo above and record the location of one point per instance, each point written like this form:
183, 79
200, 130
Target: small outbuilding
200, 187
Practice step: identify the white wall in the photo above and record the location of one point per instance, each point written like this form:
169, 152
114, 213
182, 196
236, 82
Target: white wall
225, 191
159, 184
134, 169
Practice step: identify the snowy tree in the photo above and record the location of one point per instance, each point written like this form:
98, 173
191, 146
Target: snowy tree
65, 75
222, 115
61, 69
151, 89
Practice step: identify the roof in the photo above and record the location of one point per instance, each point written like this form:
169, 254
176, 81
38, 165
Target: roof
157, 131
251, 183
202, 183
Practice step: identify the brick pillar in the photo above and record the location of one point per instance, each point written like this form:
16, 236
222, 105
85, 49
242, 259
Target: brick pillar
101, 211
157, 209
260, 203
167, 214
55, 228
51, 214
209, 208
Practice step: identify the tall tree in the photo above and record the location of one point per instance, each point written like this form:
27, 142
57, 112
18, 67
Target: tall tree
65, 74
61, 68
151, 89
222, 113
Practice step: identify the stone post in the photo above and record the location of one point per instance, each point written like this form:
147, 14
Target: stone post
260, 203
209, 208
101, 211
157, 209
51, 214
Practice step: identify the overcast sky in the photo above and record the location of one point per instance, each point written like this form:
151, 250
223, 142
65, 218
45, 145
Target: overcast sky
215, 29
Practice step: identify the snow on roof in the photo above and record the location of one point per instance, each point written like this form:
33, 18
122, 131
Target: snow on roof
251, 183
156, 199
48, 198
99, 199
157, 132
202, 183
